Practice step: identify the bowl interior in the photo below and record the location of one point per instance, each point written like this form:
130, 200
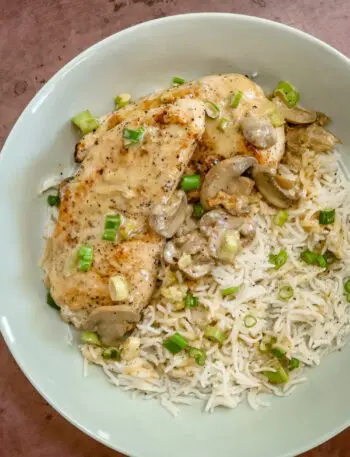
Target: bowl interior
140, 60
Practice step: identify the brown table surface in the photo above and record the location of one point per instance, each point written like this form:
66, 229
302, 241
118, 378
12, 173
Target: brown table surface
37, 37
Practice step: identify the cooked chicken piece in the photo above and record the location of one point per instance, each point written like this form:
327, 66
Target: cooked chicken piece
116, 179
216, 143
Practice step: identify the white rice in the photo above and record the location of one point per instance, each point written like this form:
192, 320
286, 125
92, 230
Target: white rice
313, 323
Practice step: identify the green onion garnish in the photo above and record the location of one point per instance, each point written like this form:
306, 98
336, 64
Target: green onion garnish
212, 110
230, 291
90, 338
111, 227
288, 93
85, 256
191, 301
214, 334
236, 98
85, 122
250, 321
278, 352
51, 302
191, 182
326, 217
347, 286
280, 376
293, 364
266, 343
175, 343
177, 80
285, 292
278, 259
198, 210
122, 100
223, 124
53, 200
132, 136
311, 258
198, 354
281, 218
111, 354
276, 119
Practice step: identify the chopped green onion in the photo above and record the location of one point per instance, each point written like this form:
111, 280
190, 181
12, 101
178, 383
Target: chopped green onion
229, 246
85, 122
278, 259
250, 321
276, 119
293, 364
236, 98
348, 298
111, 227
132, 136
285, 292
288, 93
122, 100
198, 354
177, 80
278, 352
90, 338
51, 302
223, 124
118, 288
212, 110
198, 210
111, 354
85, 255
347, 286
281, 218
191, 182
53, 200
326, 217
311, 258
322, 261
214, 334
191, 301
230, 291
280, 376
175, 343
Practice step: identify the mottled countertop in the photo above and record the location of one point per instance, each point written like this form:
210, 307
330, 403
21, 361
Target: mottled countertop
37, 37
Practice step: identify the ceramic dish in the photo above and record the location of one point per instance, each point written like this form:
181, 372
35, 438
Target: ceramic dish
139, 60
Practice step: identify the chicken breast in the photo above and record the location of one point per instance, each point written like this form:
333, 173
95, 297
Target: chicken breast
216, 144
115, 179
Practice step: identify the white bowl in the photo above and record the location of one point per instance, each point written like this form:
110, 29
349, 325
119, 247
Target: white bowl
138, 60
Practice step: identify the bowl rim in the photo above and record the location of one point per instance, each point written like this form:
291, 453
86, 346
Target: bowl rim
44, 92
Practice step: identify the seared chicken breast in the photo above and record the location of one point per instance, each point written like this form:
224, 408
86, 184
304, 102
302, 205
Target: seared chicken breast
128, 180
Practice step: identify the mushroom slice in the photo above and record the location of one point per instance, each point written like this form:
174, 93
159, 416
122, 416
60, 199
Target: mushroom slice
112, 322
219, 217
274, 188
259, 131
295, 115
171, 254
166, 218
197, 270
226, 177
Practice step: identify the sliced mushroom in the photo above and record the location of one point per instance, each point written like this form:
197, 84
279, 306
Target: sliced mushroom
112, 322
167, 217
294, 115
258, 131
274, 188
225, 179
171, 254
219, 217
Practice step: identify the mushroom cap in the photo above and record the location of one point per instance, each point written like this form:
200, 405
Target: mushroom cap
258, 131
112, 322
225, 177
269, 185
167, 217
